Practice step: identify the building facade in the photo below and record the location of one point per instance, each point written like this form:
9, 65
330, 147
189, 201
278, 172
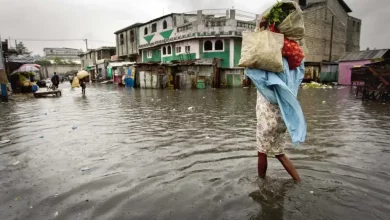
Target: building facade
201, 35
330, 31
95, 61
187, 36
127, 42
353, 34
65, 54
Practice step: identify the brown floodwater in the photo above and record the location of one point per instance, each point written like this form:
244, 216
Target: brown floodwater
142, 154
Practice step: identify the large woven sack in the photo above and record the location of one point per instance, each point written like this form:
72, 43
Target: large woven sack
82, 74
262, 50
293, 26
75, 82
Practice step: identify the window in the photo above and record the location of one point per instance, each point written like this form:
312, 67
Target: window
178, 49
169, 50
149, 53
90, 55
121, 39
188, 49
164, 50
208, 45
353, 24
146, 31
358, 26
165, 25
154, 27
132, 36
218, 45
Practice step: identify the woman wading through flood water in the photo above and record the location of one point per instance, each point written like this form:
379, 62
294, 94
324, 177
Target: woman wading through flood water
275, 64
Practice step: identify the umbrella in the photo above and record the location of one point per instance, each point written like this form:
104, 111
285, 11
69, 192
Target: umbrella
27, 68
82, 74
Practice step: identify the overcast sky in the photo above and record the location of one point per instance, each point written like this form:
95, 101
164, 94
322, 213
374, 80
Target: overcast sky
97, 20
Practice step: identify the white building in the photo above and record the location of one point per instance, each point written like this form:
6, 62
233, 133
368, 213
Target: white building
65, 54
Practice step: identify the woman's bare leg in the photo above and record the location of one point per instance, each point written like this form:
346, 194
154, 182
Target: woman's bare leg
262, 164
288, 165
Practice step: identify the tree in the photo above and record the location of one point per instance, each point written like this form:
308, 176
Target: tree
58, 61
43, 62
21, 49
71, 62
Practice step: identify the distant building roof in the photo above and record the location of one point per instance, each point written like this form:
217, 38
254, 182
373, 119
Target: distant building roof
106, 48
161, 17
51, 48
363, 55
129, 27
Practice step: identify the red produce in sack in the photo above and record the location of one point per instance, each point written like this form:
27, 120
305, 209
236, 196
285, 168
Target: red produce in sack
293, 53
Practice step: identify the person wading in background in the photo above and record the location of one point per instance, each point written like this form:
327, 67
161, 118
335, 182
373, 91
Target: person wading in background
55, 80
83, 85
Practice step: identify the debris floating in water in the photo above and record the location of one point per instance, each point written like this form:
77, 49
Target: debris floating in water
323, 102
85, 169
17, 198
5, 141
315, 85
311, 192
190, 108
41, 137
207, 137
56, 214
16, 163
74, 127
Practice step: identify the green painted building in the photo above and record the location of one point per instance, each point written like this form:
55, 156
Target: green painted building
202, 35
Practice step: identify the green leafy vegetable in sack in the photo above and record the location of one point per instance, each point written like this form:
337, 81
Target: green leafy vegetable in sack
279, 12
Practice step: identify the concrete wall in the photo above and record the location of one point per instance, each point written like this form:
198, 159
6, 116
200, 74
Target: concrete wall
318, 24
345, 70
190, 75
47, 71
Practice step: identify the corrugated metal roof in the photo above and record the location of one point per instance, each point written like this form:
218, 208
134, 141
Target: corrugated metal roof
363, 55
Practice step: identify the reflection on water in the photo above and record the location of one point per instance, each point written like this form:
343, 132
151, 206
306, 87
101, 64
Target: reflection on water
145, 154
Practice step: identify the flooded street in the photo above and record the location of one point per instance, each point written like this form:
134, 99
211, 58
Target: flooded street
121, 153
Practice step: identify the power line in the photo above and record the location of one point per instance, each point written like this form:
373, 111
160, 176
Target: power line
37, 39
32, 39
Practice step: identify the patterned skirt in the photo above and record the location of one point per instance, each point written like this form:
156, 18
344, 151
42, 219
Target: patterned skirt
271, 130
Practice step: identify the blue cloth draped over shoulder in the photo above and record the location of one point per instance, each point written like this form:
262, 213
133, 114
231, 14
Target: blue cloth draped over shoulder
282, 89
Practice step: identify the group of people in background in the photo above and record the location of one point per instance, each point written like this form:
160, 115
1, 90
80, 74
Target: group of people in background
55, 79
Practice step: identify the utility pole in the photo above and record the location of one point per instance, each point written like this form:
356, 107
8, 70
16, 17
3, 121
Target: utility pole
86, 44
331, 40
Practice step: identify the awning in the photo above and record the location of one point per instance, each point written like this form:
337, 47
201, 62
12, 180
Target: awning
119, 64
